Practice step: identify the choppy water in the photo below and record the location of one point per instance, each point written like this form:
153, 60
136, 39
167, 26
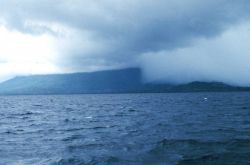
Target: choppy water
129, 129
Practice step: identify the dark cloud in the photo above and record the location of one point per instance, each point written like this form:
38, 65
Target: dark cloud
111, 32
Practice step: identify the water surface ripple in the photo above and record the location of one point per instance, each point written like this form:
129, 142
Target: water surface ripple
126, 129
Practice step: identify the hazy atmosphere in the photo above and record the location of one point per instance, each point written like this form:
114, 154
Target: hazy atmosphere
172, 41
124, 82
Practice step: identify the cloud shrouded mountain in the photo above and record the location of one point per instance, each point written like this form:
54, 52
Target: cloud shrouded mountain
172, 41
110, 81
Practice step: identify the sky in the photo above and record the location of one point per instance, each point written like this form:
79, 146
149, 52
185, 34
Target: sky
173, 41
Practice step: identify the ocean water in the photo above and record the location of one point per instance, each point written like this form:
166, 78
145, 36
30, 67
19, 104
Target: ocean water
126, 129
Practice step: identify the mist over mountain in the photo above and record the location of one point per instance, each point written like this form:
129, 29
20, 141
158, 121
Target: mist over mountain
171, 41
110, 81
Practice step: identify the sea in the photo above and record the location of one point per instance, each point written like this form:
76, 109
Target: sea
126, 129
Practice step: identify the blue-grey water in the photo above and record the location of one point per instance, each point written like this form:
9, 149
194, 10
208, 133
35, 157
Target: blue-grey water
126, 129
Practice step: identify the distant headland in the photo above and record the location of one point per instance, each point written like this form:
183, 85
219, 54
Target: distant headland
110, 81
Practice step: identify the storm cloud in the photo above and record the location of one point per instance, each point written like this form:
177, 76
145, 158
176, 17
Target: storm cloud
172, 41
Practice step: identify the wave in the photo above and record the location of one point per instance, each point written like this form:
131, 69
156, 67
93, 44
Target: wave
196, 152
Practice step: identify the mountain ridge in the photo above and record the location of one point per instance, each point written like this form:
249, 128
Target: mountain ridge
110, 81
